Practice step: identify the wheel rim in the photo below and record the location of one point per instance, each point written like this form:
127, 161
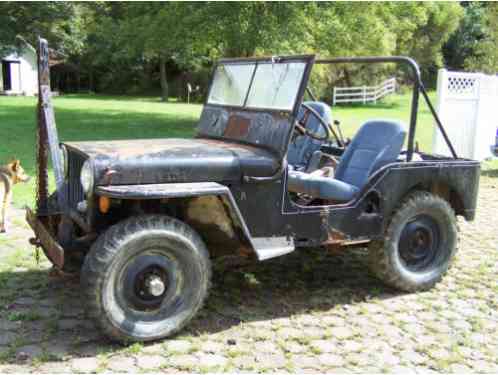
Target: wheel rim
419, 243
149, 282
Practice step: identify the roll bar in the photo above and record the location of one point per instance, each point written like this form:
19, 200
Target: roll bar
418, 87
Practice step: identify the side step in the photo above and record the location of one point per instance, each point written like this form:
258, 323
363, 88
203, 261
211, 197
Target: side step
271, 247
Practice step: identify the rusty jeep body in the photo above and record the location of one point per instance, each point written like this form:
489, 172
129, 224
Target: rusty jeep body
266, 173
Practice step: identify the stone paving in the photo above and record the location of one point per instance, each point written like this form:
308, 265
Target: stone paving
307, 312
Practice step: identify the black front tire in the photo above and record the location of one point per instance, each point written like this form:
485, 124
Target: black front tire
117, 273
419, 244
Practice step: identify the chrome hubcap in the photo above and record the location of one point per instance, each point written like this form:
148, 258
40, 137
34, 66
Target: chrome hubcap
155, 286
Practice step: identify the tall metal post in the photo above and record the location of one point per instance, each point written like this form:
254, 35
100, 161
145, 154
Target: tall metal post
41, 141
48, 140
413, 120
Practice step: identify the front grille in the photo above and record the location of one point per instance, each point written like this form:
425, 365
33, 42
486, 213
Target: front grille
74, 189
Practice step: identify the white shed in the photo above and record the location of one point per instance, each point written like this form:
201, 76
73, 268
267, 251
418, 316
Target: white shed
19, 73
467, 104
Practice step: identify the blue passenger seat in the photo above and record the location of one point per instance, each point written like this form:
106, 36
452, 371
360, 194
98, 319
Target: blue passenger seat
377, 143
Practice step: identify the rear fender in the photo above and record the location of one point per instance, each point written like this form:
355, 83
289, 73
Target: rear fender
457, 181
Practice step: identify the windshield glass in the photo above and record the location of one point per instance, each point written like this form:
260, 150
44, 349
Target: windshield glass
230, 84
274, 86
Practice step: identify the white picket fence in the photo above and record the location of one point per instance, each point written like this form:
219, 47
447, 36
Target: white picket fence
467, 104
364, 94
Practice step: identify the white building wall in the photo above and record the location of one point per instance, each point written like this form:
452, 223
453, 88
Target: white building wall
467, 105
24, 82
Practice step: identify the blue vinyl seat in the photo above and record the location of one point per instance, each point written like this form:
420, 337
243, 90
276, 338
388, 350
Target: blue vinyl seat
377, 143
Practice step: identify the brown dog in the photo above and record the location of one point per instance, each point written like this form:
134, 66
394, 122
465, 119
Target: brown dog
10, 174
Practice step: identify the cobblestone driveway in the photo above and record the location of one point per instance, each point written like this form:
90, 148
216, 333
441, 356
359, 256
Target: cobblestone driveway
308, 312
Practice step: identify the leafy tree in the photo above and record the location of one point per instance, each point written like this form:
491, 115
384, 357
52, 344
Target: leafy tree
24, 21
462, 43
241, 29
164, 32
485, 57
104, 53
369, 28
120, 45
423, 29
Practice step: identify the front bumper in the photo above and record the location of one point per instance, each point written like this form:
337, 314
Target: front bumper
43, 238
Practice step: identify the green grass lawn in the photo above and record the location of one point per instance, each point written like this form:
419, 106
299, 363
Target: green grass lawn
85, 117
88, 118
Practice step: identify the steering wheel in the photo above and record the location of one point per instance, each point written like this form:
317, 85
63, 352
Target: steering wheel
301, 124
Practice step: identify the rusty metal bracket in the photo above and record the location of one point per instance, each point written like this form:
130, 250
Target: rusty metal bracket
53, 251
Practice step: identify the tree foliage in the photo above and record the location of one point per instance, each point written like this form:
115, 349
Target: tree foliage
24, 21
462, 43
132, 47
485, 56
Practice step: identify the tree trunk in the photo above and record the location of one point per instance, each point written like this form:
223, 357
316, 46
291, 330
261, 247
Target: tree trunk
347, 77
164, 82
78, 80
90, 81
147, 75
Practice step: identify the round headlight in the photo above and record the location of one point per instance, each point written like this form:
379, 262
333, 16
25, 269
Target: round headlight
65, 161
86, 177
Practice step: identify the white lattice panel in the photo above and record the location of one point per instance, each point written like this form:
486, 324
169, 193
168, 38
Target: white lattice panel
462, 86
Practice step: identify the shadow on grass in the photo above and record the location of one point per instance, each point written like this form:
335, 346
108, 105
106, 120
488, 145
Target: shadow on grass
300, 283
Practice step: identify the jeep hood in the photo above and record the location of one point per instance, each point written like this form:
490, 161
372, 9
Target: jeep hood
151, 161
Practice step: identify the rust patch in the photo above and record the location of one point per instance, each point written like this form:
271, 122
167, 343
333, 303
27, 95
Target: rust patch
209, 210
335, 237
207, 216
237, 127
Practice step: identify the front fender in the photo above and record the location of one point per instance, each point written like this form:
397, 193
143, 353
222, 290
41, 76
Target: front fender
162, 191
262, 248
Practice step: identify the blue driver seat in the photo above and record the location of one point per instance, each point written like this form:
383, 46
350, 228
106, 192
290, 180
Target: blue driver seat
377, 143
302, 148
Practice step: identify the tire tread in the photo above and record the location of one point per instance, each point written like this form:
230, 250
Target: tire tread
105, 249
379, 257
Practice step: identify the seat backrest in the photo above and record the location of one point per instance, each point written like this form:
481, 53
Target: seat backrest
377, 143
303, 147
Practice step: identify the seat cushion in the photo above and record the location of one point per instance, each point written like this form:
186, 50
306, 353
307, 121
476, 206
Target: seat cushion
320, 186
377, 143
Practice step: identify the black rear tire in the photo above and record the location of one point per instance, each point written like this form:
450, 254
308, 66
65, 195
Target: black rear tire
419, 244
145, 278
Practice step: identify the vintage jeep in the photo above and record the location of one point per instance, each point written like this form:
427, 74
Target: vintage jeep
266, 173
